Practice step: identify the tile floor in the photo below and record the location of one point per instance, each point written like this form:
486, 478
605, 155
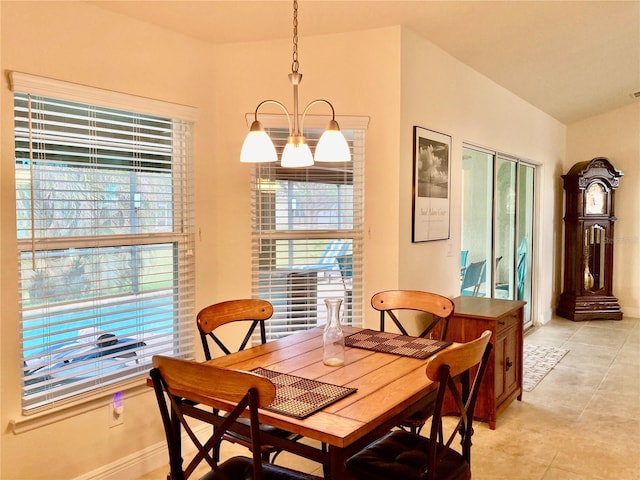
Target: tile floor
582, 422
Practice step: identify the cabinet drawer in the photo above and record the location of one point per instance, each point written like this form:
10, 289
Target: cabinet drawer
506, 322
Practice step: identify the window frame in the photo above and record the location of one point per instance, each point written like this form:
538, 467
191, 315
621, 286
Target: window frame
180, 237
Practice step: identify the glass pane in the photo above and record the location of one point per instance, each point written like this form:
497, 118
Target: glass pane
323, 269
477, 185
505, 205
307, 231
594, 248
84, 201
74, 332
526, 175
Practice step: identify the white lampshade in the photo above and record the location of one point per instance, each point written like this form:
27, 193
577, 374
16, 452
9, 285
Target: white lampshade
258, 147
332, 146
296, 154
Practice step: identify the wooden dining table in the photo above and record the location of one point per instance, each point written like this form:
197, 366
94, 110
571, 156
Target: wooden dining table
389, 387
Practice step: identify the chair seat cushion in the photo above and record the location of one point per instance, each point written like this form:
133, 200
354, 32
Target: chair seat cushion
403, 455
419, 418
241, 468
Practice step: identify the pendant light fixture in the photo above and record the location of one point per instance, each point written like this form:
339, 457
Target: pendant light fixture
258, 146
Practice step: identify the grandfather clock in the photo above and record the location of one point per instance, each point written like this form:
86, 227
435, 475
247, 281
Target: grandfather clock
588, 242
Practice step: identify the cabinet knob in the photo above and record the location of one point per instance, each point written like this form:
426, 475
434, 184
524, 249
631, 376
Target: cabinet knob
508, 363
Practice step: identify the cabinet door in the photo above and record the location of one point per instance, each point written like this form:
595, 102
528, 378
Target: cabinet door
506, 378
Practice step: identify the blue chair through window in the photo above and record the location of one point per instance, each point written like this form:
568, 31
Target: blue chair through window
335, 248
472, 278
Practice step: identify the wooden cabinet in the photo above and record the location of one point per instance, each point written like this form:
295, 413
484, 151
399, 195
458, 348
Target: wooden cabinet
502, 382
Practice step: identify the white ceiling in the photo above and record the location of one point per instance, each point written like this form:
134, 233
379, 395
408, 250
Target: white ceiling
571, 59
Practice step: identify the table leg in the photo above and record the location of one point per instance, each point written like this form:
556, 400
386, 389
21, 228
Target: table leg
337, 464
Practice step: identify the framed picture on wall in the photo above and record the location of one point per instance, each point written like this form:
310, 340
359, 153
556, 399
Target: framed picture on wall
431, 185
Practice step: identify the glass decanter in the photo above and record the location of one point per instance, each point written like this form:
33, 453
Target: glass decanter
333, 335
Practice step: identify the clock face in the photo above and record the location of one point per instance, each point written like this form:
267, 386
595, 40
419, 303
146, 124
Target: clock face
596, 199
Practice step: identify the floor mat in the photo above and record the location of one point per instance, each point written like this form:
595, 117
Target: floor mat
538, 361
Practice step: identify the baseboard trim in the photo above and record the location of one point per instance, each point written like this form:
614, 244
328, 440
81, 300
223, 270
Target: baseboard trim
132, 466
137, 464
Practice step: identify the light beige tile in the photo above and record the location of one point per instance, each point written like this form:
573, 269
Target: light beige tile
601, 459
600, 336
629, 356
610, 426
559, 474
588, 357
492, 464
616, 402
539, 411
625, 324
537, 443
555, 333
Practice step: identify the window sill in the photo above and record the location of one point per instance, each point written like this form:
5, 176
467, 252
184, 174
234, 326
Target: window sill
79, 406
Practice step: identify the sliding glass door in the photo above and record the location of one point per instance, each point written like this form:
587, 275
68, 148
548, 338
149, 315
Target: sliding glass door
477, 221
524, 254
497, 226
504, 230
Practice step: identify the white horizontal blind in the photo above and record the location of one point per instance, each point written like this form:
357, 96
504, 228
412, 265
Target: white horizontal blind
104, 206
304, 220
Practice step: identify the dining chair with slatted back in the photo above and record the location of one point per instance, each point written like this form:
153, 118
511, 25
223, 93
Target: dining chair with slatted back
406, 455
253, 312
188, 394
436, 308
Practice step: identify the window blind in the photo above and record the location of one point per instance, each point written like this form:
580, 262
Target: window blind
307, 236
105, 216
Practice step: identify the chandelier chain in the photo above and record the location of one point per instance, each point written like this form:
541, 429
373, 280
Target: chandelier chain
295, 64
331, 147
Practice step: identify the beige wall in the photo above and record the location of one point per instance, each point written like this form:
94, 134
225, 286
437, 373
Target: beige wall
442, 94
616, 135
390, 75
77, 42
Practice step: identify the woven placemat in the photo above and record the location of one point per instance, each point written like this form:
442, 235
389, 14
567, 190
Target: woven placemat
300, 397
405, 345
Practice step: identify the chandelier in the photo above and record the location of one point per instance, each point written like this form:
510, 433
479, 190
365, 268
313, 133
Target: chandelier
258, 146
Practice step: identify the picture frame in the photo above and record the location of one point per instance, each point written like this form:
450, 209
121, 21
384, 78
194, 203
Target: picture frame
431, 185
